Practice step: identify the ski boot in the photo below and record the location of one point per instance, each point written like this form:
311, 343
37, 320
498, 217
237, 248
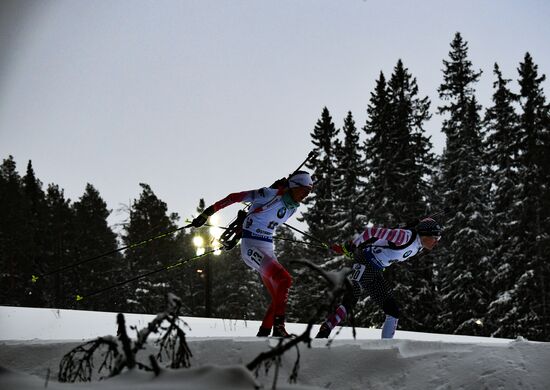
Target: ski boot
324, 331
279, 327
263, 332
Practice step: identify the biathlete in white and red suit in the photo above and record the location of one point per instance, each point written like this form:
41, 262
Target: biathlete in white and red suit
373, 250
270, 208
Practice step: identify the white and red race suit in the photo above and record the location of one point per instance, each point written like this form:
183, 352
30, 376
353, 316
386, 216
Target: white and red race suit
270, 208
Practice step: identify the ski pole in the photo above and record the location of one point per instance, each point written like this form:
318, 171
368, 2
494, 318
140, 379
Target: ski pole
277, 238
325, 245
35, 278
166, 268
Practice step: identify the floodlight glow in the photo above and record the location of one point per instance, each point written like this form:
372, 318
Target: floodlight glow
215, 231
198, 241
200, 251
214, 219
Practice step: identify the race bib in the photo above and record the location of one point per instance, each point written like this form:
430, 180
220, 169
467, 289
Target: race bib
357, 272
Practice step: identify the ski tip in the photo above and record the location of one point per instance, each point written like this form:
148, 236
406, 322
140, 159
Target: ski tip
34, 278
79, 297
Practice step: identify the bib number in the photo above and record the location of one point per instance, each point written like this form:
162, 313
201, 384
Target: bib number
357, 272
255, 256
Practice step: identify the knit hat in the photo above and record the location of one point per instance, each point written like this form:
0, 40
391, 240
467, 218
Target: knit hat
300, 179
429, 227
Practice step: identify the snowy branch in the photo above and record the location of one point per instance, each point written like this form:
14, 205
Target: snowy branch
77, 365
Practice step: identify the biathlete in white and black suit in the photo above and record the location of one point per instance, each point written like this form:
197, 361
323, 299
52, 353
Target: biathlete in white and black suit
270, 208
373, 250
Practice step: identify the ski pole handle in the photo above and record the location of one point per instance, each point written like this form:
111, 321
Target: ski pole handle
309, 157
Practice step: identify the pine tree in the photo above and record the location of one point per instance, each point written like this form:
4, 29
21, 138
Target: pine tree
503, 151
349, 190
400, 163
93, 236
413, 160
411, 168
530, 300
378, 152
148, 218
36, 219
461, 258
15, 231
188, 280
399, 157
320, 214
60, 251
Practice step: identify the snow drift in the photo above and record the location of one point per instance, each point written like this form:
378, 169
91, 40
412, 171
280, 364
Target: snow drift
31, 350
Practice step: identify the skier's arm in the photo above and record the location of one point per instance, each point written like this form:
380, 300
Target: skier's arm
396, 236
244, 196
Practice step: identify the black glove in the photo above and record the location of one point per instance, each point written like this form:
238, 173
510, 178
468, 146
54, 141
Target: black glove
200, 220
202, 217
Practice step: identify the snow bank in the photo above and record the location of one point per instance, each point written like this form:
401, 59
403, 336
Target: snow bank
414, 361
20, 323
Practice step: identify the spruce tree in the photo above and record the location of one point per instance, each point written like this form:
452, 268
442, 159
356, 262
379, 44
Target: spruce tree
15, 231
413, 160
60, 251
399, 166
36, 219
349, 183
188, 280
320, 216
149, 218
530, 300
93, 236
410, 193
399, 159
378, 152
461, 257
503, 151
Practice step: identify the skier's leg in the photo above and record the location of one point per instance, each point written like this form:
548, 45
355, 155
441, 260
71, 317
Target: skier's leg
267, 322
392, 317
254, 253
260, 256
380, 291
280, 282
348, 302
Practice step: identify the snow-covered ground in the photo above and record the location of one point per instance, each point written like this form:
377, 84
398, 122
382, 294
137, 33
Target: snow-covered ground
34, 341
